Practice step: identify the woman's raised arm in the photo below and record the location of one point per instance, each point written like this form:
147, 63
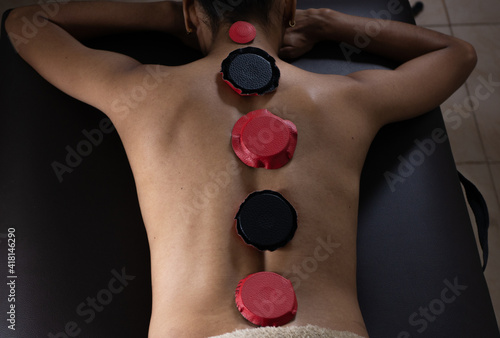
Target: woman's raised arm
47, 37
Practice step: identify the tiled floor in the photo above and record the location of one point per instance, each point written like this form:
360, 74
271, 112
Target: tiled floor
475, 134
475, 138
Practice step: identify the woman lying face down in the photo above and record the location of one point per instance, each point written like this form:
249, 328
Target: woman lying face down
247, 168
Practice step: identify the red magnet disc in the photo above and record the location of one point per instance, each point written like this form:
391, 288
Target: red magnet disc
266, 299
263, 140
242, 32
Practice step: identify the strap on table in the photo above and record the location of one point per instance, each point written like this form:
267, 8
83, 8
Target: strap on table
480, 210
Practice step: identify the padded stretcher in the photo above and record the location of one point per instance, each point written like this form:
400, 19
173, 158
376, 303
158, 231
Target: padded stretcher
81, 253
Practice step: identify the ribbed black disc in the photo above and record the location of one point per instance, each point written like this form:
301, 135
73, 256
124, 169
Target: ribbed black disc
266, 220
250, 71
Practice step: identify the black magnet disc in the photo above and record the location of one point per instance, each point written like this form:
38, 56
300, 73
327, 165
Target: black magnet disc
251, 71
266, 220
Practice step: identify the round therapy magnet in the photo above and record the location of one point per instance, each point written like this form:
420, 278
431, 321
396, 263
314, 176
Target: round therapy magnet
261, 139
250, 71
242, 32
266, 220
266, 299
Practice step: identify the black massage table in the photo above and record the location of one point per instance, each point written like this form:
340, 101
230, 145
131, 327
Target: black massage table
81, 254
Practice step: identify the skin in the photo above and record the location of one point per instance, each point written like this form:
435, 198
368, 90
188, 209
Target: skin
178, 145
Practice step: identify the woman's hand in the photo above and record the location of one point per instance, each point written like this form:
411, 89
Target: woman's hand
301, 38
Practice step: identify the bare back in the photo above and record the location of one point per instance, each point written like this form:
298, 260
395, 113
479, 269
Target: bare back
175, 124
191, 184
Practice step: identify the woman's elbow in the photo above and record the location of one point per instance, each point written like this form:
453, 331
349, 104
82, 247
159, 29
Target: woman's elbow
469, 56
17, 18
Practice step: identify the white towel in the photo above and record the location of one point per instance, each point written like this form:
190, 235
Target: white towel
309, 331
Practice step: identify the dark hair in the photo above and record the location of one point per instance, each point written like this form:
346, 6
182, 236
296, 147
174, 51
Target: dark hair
219, 11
